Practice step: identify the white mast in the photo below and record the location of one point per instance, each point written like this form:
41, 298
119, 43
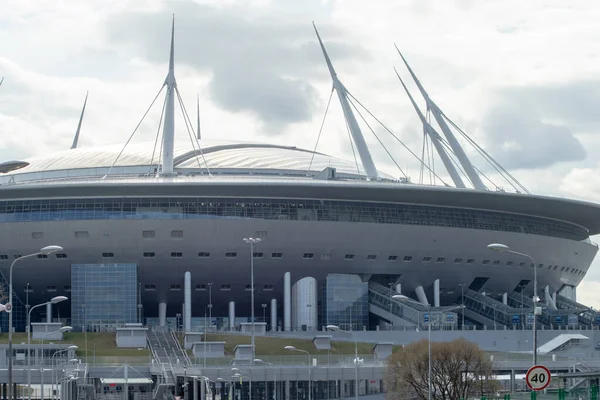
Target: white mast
198, 116
436, 140
357, 136
456, 147
169, 126
76, 138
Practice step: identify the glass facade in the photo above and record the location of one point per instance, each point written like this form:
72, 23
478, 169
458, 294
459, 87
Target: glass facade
103, 296
344, 302
282, 209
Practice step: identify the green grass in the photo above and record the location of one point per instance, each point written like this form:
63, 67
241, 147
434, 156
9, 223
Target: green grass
104, 343
269, 346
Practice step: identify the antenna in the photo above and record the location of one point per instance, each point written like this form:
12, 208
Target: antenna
169, 126
198, 116
357, 136
76, 138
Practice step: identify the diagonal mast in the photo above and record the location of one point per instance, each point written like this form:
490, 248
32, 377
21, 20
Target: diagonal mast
199, 136
357, 136
169, 125
76, 138
435, 139
456, 147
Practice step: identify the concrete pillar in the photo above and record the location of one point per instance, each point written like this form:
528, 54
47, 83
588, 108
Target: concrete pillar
512, 380
162, 314
505, 299
187, 298
274, 315
232, 315
550, 303
436, 293
554, 297
304, 303
399, 288
49, 312
287, 302
195, 382
421, 295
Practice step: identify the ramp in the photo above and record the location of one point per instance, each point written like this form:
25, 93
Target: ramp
487, 311
560, 341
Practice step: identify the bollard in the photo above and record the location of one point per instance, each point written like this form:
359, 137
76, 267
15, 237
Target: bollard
594, 392
533, 395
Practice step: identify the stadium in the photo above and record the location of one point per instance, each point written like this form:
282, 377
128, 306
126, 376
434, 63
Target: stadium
337, 239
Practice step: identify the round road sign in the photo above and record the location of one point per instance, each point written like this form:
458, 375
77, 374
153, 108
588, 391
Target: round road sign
538, 377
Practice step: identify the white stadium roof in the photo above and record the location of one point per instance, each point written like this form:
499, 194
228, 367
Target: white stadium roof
219, 155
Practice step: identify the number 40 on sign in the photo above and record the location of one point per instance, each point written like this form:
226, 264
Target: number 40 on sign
538, 377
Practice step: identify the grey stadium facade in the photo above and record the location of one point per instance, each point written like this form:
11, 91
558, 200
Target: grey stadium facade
320, 219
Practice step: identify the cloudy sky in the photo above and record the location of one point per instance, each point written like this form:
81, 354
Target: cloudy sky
522, 78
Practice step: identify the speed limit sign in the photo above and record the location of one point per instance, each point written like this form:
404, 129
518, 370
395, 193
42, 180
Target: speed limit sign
538, 377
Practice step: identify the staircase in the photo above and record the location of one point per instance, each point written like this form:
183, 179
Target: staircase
486, 310
585, 315
408, 312
167, 352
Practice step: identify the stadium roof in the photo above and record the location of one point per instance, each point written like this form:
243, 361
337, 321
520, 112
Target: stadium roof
214, 153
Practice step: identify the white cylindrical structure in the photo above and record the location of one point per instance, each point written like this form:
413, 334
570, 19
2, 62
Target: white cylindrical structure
187, 298
287, 301
49, 312
232, 315
554, 297
505, 299
162, 314
436, 293
550, 303
399, 288
421, 295
274, 315
304, 304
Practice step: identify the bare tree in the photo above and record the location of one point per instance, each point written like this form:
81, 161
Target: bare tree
459, 370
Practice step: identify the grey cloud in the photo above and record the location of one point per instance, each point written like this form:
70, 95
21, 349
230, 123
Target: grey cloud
574, 103
261, 65
518, 138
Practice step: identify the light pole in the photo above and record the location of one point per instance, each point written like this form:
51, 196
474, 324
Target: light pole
462, 303
209, 305
258, 360
61, 330
45, 251
55, 382
337, 328
252, 242
292, 348
505, 249
54, 300
240, 374
402, 297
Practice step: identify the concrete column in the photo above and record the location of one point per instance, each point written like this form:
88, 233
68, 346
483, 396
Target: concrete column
195, 382
550, 303
554, 297
274, 315
187, 298
49, 312
399, 288
162, 314
436, 293
232, 315
421, 295
505, 299
287, 301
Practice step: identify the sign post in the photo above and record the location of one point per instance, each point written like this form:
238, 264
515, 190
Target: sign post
538, 377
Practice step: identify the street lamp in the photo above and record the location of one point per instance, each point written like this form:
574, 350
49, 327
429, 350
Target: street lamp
240, 374
402, 297
260, 361
45, 251
210, 306
55, 382
292, 348
502, 248
61, 330
54, 300
462, 303
337, 329
252, 242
